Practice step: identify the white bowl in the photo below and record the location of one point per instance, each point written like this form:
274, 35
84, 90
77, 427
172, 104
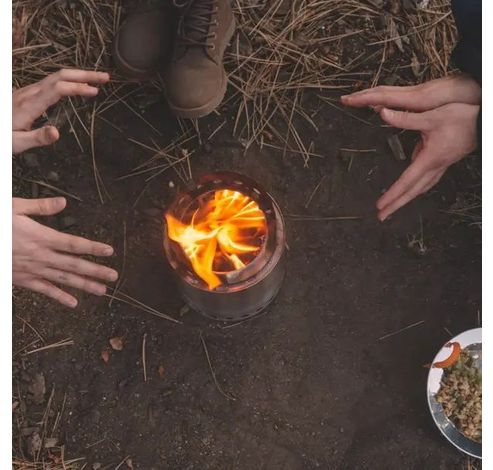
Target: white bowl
470, 340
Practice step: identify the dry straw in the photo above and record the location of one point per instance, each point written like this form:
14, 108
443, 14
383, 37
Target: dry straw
285, 57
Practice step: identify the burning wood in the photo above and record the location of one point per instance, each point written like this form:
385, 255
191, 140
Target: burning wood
223, 234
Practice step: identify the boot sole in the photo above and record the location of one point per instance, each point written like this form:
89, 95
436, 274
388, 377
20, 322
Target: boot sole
205, 109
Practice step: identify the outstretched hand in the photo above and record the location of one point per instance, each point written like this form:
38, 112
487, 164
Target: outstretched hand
448, 133
446, 114
42, 256
31, 102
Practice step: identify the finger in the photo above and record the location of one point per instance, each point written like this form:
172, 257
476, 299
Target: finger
405, 120
426, 182
388, 96
45, 206
81, 267
80, 246
73, 280
407, 180
25, 140
81, 76
434, 181
50, 290
61, 89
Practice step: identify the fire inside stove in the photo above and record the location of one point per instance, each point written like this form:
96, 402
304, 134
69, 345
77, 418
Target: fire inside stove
223, 233
224, 239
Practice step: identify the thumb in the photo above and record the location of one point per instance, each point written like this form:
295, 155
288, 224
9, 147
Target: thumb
46, 206
405, 120
25, 140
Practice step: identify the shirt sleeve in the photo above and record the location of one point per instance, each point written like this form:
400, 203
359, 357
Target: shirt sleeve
467, 54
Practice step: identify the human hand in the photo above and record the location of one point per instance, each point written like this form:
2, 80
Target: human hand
448, 133
41, 255
30, 102
424, 97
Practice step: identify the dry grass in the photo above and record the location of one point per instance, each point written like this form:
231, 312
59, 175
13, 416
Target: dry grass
468, 208
282, 52
285, 49
72, 464
48, 454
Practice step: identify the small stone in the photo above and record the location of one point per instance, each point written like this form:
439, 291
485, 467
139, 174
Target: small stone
117, 343
68, 222
171, 184
105, 355
97, 466
53, 176
50, 442
184, 310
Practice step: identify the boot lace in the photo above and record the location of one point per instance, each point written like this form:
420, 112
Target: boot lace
194, 28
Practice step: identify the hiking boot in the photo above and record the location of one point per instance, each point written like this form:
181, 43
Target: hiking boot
144, 43
195, 79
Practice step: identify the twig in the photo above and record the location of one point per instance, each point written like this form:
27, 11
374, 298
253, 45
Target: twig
126, 299
59, 344
357, 150
307, 203
36, 332
49, 186
144, 357
122, 462
314, 218
88, 446
401, 330
229, 397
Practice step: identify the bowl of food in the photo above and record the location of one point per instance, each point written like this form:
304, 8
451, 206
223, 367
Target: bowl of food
455, 391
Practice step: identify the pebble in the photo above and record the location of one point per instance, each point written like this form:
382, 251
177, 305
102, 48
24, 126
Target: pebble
68, 221
52, 176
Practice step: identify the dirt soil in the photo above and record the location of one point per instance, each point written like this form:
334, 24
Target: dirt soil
314, 387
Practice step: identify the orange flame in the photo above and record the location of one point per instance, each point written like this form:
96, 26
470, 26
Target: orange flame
224, 234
